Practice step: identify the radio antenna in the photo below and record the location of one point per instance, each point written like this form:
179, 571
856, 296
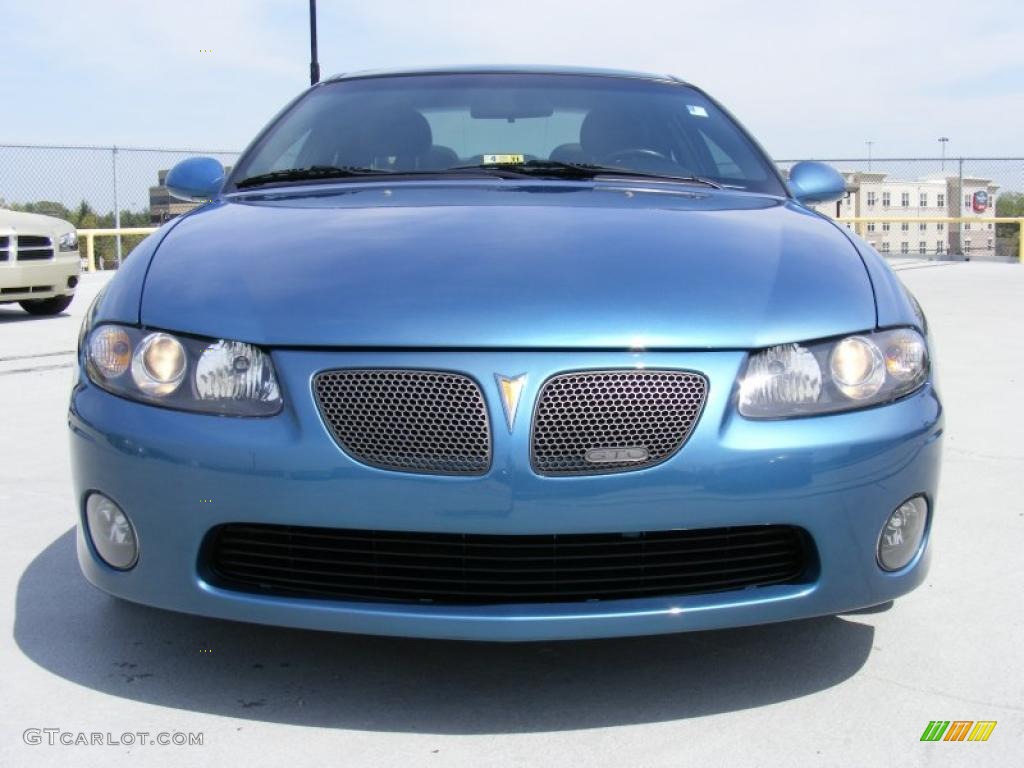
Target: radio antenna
314, 65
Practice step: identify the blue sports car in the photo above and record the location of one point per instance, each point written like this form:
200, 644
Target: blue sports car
505, 354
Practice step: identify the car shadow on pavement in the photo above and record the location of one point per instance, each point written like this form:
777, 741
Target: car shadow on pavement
15, 314
324, 679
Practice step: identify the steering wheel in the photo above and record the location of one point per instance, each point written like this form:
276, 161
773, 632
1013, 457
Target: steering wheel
622, 156
644, 160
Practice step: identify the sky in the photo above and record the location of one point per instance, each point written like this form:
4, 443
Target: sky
809, 79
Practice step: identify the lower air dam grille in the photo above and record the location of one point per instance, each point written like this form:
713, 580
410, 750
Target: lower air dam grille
446, 568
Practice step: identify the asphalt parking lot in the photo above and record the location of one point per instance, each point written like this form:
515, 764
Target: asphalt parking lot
850, 690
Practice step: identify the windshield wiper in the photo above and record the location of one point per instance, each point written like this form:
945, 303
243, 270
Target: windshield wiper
531, 168
559, 170
308, 174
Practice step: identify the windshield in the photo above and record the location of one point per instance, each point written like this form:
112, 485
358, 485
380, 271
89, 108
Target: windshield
534, 124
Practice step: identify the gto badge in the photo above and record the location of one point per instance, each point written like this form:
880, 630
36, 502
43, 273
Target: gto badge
616, 455
510, 388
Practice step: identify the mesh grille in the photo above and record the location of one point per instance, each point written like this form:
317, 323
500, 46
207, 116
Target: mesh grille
598, 422
486, 569
413, 421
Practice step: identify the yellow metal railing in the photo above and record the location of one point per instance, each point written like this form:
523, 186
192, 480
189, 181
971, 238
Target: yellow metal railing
90, 236
860, 221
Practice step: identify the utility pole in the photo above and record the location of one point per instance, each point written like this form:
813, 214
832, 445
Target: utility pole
869, 142
314, 65
117, 204
943, 141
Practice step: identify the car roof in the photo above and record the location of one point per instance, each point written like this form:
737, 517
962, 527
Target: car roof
504, 69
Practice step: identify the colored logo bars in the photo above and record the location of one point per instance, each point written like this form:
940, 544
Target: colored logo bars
958, 730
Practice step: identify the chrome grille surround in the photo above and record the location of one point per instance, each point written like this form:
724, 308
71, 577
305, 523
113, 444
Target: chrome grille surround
430, 422
647, 414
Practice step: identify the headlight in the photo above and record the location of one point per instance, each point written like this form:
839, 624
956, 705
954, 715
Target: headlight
824, 377
856, 366
158, 365
68, 241
228, 377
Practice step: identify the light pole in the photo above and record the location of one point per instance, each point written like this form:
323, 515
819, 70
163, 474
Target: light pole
314, 65
869, 142
943, 141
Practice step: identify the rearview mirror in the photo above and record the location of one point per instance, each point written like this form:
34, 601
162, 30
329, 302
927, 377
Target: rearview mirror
813, 182
510, 105
197, 179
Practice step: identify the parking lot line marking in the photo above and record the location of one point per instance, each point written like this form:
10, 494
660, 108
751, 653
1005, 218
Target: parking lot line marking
37, 368
32, 357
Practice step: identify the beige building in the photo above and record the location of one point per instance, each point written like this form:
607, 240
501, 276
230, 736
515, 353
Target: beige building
883, 201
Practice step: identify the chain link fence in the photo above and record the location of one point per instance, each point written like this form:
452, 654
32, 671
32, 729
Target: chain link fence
96, 187
107, 187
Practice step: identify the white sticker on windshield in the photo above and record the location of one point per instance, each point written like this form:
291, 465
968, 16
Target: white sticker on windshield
503, 159
697, 111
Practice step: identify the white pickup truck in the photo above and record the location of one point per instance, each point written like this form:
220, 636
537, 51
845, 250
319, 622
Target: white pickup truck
39, 262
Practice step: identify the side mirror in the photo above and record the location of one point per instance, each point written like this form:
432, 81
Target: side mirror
197, 179
816, 182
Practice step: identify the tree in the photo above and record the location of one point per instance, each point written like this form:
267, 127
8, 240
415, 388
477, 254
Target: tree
46, 208
1010, 204
84, 211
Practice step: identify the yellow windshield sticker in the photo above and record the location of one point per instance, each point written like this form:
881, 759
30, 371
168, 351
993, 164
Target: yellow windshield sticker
502, 159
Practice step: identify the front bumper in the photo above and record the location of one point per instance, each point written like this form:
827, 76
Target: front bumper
47, 278
178, 475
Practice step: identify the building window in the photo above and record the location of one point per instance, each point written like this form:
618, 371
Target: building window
990, 243
967, 225
941, 226
885, 227
904, 247
905, 226
990, 225
923, 227
940, 246
871, 226
967, 200
967, 246
871, 199
885, 200
922, 247
885, 247
940, 200
905, 199
924, 199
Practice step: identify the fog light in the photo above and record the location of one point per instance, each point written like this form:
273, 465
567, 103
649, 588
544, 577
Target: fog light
111, 532
901, 537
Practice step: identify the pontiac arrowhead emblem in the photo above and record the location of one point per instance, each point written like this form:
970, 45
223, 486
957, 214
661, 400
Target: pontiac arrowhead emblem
510, 388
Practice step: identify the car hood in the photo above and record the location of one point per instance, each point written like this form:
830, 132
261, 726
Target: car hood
503, 265
33, 223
